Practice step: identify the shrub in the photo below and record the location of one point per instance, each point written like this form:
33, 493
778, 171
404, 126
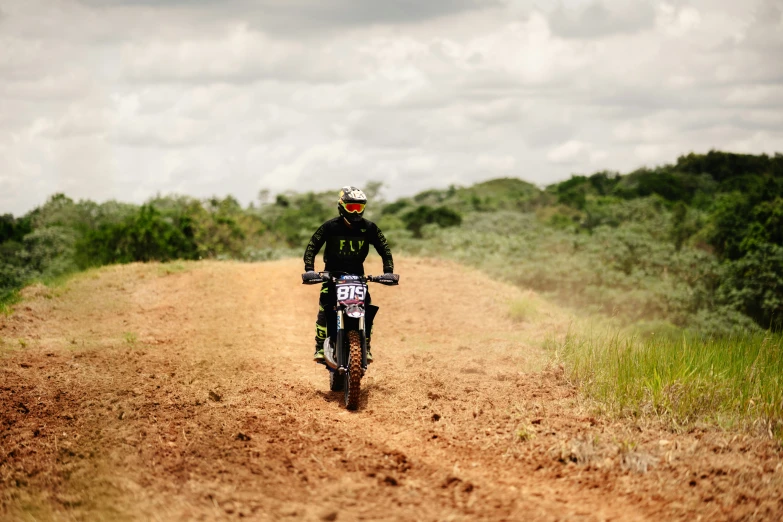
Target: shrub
424, 215
147, 235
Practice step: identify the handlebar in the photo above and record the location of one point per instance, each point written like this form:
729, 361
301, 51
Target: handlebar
385, 279
314, 278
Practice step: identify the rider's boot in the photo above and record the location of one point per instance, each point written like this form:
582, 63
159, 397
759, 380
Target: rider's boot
320, 337
369, 353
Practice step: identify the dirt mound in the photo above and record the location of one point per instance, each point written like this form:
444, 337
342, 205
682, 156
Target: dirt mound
145, 392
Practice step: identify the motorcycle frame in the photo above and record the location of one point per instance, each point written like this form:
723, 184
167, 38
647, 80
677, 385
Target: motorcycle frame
344, 324
338, 361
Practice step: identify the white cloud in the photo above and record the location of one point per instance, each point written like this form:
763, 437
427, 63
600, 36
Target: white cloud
600, 18
496, 164
770, 96
678, 21
120, 99
568, 152
761, 140
238, 56
422, 164
306, 168
647, 153
598, 156
575, 152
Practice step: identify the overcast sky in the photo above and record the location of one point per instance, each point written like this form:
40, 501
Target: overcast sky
121, 99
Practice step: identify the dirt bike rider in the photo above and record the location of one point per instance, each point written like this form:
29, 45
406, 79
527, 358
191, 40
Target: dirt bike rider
348, 238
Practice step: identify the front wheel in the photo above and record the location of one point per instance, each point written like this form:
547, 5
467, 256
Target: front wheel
353, 378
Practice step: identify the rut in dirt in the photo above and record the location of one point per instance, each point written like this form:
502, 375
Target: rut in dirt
143, 392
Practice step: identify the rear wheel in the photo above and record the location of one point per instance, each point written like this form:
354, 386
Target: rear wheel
353, 378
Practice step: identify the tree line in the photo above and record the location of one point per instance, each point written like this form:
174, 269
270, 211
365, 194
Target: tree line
713, 222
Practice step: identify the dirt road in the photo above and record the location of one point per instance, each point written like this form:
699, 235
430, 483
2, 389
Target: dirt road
186, 392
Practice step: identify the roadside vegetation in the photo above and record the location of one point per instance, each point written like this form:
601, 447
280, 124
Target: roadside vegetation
734, 381
686, 258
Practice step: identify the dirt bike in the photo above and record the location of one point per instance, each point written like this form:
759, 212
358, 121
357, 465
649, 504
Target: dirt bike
345, 348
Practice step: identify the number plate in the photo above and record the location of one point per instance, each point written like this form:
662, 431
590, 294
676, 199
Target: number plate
351, 292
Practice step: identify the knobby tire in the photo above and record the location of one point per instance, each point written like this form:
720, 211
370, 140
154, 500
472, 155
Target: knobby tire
353, 378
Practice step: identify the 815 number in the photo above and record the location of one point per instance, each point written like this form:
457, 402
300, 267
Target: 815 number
349, 292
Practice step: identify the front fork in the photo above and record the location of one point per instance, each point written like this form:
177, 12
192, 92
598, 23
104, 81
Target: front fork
340, 362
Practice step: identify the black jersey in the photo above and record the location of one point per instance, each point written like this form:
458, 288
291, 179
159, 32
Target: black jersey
347, 246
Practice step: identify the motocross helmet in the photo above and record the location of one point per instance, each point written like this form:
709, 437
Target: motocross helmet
351, 204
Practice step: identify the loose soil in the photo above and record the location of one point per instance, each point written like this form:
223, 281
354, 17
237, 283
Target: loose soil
186, 392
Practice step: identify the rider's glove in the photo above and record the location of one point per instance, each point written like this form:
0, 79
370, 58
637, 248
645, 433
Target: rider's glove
389, 279
311, 275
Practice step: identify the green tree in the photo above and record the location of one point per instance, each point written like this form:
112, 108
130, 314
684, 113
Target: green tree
424, 214
147, 235
679, 228
729, 224
754, 285
50, 250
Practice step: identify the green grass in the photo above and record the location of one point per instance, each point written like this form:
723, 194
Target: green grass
522, 310
55, 281
731, 382
174, 267
8, 300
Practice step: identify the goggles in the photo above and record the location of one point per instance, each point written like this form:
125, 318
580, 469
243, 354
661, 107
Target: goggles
353, 207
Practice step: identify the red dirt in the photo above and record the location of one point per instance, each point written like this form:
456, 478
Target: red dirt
186, 392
